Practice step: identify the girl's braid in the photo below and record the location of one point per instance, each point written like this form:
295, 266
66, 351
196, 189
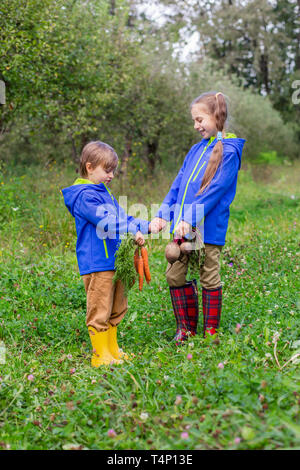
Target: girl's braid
220, 112
216, 105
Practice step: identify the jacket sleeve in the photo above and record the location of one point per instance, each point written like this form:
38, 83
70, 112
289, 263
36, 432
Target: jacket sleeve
109, 219
165, 212
221, 182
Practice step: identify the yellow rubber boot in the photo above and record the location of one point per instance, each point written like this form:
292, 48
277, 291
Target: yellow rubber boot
101, 353
116, 352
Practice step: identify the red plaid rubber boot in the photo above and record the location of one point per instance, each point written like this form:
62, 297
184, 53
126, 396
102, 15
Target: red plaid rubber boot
212, 306
186, 310
193, 309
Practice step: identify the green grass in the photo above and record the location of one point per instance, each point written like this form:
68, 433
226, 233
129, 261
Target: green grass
238, 394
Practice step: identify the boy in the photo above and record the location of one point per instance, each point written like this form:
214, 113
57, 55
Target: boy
99, 223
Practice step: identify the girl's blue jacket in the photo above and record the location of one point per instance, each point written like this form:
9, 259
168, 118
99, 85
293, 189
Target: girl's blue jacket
182, 202
100, 222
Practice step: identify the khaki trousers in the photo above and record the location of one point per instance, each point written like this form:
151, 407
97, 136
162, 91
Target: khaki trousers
209, 273
105, 300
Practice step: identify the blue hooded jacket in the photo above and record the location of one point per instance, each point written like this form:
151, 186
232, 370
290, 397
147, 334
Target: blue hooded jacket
100, 222
182, 202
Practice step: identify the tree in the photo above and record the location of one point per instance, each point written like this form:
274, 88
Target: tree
255, 40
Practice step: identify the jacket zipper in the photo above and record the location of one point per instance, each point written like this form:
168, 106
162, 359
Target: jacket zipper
105, 248
199, 171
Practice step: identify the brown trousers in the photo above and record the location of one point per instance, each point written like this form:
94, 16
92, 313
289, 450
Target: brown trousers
105, 300
209, 273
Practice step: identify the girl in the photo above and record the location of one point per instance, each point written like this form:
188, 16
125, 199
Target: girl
204, 187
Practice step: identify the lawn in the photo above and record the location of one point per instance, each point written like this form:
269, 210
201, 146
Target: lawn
239, 393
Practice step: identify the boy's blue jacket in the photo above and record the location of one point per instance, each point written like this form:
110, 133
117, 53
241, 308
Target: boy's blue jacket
100, 222
182, 202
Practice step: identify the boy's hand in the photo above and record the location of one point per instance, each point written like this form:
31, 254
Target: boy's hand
157, 224
139, 238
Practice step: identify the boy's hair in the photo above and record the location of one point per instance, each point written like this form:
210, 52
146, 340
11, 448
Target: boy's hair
217, 106
98, 153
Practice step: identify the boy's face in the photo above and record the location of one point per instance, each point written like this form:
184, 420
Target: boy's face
98, 174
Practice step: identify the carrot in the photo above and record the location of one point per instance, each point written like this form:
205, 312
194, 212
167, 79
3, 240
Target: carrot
135, 259
141, 272
144, 254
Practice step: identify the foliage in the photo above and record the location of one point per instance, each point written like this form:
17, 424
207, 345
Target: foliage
66, 90
80, 71
88, 79
270, 158
197, 256
256, 40
125, 271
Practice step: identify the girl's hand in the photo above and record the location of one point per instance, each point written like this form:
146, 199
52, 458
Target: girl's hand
157, 224
139, 238
182, 229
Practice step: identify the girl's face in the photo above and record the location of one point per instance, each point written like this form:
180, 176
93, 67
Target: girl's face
99, 174
204, 122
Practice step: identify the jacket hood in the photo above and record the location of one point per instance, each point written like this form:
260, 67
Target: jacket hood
71, 193
231, 144
234, 145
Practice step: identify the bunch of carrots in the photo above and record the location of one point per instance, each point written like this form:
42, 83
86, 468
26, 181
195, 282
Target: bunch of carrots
126, 271
141, 265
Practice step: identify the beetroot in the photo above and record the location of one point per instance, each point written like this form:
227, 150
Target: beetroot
186, 248
172, 252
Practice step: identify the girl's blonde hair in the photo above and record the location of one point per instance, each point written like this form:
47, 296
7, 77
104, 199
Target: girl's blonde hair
97, 153
216, 105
